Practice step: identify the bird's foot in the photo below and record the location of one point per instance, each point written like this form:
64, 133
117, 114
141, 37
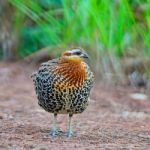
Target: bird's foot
54, 133
69, 134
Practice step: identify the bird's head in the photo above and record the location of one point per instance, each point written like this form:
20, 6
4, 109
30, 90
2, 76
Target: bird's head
72, 67
74, 55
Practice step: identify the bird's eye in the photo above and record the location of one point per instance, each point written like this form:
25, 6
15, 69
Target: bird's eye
78, 53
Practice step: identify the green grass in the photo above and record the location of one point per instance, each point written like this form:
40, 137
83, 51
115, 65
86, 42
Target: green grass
106, 24
108, 29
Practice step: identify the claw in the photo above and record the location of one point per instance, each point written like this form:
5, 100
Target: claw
69, 134
54, 133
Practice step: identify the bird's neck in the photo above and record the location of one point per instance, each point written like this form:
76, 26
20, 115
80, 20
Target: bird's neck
73, 72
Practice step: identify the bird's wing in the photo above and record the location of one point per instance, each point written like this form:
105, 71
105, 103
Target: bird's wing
45, 65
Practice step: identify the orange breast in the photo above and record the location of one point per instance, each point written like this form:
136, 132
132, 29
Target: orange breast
73, 73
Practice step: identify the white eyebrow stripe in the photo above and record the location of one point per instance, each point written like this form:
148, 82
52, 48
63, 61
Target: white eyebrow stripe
74, 50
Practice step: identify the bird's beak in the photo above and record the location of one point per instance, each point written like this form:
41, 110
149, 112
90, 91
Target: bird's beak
84, 55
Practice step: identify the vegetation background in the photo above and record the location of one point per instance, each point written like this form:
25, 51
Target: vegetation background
116, 33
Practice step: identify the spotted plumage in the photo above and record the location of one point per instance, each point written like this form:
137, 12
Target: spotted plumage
63, 85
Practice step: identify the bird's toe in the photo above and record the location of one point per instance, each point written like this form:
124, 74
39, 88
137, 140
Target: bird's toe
54, 133
69, 134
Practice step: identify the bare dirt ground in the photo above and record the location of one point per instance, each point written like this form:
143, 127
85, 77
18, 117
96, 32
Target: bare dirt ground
113, 120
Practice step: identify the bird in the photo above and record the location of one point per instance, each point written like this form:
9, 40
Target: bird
63, 86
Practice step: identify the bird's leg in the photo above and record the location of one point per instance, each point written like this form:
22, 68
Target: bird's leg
69, 132
54, 131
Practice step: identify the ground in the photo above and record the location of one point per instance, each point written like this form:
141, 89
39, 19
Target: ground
113, 120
